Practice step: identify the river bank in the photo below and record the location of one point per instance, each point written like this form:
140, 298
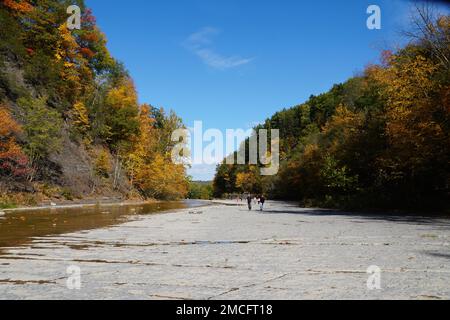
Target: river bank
79, 204
20, 226
86, 203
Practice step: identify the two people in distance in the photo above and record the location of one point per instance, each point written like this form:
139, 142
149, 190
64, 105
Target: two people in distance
261, 200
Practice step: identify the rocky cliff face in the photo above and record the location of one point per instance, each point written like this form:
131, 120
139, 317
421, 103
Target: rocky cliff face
71, 122
68, 174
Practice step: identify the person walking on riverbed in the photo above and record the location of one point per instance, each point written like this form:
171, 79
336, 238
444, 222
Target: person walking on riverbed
249, 202
262, 200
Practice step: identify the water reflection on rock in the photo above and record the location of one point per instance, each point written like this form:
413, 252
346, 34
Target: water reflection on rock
19, 227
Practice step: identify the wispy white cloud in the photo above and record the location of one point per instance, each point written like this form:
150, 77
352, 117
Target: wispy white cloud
201, 44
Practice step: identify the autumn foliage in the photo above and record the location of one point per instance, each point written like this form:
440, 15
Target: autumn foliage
379, 140
13, 161
152, 171
22, 6
72, 97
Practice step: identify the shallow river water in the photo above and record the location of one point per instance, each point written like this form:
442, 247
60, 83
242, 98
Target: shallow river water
19, 227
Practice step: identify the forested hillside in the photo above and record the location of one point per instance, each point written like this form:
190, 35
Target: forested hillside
71, 125
379, 140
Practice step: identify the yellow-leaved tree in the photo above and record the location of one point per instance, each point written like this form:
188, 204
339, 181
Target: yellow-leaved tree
249, 181
414, 127
150, 170
80, 116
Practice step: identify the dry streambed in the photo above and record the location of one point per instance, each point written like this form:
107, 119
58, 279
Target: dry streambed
226, 252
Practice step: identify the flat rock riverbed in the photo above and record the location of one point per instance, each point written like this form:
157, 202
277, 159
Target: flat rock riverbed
226, 252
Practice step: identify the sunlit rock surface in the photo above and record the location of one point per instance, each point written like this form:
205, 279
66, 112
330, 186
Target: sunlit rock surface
227, 252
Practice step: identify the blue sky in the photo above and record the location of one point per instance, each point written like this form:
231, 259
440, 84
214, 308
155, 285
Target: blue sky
233, 63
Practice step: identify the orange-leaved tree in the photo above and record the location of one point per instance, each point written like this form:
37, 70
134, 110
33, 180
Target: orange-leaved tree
20, 6
13, 161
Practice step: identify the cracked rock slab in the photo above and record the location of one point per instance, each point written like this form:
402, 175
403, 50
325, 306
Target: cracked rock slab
227, 252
